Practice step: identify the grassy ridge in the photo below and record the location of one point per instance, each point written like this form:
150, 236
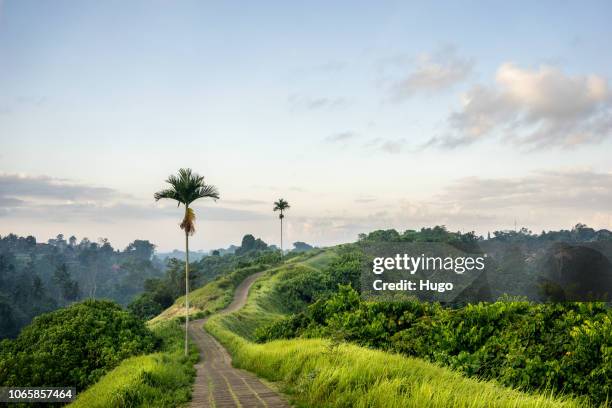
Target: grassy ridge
323, 373
164, 379
161, 379
209, 298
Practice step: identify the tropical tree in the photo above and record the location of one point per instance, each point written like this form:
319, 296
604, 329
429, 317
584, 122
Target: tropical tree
281, 205
185, 188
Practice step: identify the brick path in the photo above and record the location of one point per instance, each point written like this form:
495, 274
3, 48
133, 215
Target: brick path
217, 383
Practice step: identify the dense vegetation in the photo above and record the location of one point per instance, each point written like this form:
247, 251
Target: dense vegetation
40, 277
73, 346
563, 347
560, 347
324, 372
164, 378
160, 379
579, 233
161, 293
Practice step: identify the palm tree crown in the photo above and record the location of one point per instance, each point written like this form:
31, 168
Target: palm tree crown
281, 205
186, 187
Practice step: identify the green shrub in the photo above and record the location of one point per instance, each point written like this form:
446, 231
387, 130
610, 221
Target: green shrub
324, 373
161, 379
560, 347
145, 307
73, 346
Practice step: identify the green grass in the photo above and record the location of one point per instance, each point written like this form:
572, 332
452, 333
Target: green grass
316, 372
208, 299
161, 379
164, 379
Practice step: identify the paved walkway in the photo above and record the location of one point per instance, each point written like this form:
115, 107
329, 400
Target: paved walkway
217, 383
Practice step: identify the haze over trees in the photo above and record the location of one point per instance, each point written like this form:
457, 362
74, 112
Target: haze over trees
40, 277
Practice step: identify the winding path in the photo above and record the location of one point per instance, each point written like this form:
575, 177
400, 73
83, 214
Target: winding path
217, 383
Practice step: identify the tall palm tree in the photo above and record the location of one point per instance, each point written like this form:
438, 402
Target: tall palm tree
186, 187
281, 205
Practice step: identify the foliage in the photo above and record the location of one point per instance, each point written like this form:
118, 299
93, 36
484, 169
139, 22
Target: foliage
161, 379
325, 373
560, 347
300, 246
40, 277
145, 306
281, 205
218, 293
73, 346
579, 233
307, 284
250, 244
161, 293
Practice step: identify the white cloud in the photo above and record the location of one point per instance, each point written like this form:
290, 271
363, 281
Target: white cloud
534, 108
432, 73
58, 200
583, 190
18, 185
302, 102
341, 137
392, 146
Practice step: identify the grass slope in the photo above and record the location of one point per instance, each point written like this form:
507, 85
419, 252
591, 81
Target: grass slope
322, 373
161, 379
165, 378
209, 298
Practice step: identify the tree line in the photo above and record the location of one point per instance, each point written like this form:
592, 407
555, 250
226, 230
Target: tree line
39, 277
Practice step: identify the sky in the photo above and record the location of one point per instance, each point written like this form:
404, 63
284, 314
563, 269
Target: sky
363, 115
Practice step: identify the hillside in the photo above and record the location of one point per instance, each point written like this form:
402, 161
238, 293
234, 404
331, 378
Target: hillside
40, 277
322, 372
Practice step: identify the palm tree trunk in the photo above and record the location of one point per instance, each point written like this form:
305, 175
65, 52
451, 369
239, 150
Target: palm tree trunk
281, 236
186, 293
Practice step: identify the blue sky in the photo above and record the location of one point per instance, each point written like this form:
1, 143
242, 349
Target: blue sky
362, 114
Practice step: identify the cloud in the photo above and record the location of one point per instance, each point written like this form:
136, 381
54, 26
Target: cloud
365, 200
10, 202
60, 200
582, 190
432, 73
119, 212
341, 137
301, 102
540, 200
15, 185
533, 108
244, 202
392, 146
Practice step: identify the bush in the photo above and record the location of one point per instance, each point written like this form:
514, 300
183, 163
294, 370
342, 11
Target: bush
145, 307
160, 379
324, 373
305, 284
561, 347
73, 346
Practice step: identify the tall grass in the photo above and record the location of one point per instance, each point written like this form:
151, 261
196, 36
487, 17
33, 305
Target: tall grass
323, 373
161, 379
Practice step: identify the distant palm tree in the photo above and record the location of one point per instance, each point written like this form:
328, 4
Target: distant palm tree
281, 205
186, 187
